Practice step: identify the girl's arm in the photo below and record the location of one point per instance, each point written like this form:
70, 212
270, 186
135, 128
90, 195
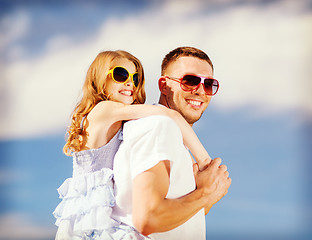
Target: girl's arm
116, 111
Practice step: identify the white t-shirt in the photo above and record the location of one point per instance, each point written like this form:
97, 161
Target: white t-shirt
147, 141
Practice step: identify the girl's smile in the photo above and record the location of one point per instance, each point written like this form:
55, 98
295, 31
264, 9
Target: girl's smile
121, 92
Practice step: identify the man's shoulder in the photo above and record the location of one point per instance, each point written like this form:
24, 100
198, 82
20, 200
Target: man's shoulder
155, 123
151, 120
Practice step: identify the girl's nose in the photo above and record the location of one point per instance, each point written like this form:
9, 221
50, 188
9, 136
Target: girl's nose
128, 82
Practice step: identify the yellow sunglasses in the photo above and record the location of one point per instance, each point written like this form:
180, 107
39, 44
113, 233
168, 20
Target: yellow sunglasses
121, 75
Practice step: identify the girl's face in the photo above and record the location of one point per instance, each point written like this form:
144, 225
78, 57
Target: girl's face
121, 92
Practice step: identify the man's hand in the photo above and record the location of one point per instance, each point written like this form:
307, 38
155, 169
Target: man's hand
213, 181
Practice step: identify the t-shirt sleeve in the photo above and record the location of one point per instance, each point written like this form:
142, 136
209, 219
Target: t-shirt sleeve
151, 140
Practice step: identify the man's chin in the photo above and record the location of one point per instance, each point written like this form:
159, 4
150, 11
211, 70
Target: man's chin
191, 118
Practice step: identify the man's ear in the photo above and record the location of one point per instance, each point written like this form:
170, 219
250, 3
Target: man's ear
162, 85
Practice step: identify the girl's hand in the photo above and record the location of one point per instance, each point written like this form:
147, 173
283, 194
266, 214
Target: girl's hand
204, 164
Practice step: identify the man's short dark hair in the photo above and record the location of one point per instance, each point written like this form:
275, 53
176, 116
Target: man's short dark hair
183, 52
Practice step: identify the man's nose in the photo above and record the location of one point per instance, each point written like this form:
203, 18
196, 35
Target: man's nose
200, 90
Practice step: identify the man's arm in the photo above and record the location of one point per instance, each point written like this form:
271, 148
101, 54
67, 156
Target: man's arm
153, 212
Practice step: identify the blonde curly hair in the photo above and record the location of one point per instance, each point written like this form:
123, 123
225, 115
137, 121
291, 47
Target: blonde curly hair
94, 92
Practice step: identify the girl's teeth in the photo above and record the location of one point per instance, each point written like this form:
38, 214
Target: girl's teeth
128, 93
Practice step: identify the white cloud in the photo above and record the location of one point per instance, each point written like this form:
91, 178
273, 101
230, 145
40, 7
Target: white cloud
261, 61
18, 226
260, 56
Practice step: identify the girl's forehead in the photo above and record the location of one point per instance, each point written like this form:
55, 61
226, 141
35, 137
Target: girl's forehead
124, 62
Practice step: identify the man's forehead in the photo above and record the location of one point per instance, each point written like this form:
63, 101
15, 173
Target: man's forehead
189, 65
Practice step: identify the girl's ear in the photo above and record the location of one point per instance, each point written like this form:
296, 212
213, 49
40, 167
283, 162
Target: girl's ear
162, 85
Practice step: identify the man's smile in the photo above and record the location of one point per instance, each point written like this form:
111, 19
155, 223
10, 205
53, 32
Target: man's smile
195, 103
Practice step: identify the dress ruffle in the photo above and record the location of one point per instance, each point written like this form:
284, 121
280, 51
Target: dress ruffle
86, 206
88, 197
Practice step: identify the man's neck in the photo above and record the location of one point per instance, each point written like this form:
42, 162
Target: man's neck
163, 101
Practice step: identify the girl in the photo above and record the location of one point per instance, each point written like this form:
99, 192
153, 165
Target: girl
113, 92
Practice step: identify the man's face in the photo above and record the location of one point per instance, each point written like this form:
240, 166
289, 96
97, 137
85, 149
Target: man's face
190, 105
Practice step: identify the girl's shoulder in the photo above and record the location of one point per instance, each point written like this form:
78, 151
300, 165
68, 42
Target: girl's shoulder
105, 108
107, 104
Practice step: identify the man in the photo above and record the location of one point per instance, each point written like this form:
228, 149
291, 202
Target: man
158, 190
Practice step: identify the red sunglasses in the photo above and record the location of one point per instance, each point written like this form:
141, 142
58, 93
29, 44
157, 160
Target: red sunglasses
191, 83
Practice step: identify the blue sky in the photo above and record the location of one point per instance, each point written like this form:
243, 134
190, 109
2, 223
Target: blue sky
260, 122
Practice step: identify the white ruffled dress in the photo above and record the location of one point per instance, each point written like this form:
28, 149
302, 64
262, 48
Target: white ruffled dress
88, 198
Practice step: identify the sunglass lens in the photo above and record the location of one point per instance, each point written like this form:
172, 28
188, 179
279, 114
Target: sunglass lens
120, 74
189, 82
211, 86
136, 79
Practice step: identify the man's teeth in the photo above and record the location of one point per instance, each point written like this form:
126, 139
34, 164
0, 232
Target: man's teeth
196, 103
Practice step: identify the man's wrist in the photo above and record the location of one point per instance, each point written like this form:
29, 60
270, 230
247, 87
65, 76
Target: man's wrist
206, 200
199, 197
